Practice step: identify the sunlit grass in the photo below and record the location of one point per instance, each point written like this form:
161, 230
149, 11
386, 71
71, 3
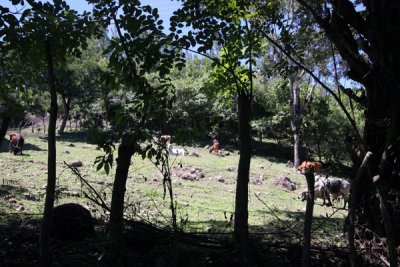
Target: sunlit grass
201, 205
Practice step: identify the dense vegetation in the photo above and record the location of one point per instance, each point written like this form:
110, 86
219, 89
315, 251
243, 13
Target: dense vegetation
320, 77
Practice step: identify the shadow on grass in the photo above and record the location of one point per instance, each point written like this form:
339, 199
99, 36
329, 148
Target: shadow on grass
7, 189
32, 147
273, 152
5, 147
292, 220
79, 136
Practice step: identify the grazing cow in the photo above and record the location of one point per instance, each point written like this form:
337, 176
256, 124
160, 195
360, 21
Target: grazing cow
165, 139
332, 187
16, 143
320, 191
215, 147
339, 187
310, 166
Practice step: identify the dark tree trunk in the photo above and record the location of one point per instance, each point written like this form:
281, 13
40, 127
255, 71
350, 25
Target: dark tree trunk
4, 127
353, 205
374, 62
51, 163
67, 109
306, 260
378, 200
241, 230
125, 152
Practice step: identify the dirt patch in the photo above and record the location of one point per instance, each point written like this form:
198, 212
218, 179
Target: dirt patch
187, 173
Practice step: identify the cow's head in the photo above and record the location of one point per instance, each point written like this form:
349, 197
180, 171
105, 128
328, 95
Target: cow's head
303, 195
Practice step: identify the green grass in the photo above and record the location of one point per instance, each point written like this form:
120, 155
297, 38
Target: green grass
201, 205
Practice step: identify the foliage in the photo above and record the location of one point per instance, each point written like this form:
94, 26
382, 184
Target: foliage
139, 49
198, 113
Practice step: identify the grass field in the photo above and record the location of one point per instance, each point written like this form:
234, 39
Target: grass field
203, 205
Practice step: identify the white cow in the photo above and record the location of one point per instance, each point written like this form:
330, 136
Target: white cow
177, 151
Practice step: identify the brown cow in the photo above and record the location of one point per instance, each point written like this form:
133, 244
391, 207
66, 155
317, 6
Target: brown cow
16, 143
310, 166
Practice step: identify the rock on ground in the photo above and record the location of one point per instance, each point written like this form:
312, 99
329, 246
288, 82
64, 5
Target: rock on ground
76, 163
285, 182
188, 173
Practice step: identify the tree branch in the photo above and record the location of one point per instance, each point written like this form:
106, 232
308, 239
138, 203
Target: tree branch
340, 33
346, 9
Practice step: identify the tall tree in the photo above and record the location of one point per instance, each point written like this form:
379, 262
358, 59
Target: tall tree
228, 24
139, 48
48, 33
294, 30
66, 89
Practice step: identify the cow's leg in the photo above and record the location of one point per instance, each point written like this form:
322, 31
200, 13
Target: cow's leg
21, 145
328, 198
345, 200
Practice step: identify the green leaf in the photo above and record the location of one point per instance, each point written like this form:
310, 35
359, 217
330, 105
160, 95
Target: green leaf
100, 165
107, 168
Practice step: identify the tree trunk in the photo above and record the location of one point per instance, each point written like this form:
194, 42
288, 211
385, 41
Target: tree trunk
378, 202
4, 127
296, 150
295, 121
353, 205
125, 153
67, 109
306, 260
44, 122
388, 224
45, 259
241, 230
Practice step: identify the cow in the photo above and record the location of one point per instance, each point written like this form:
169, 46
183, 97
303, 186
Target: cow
337, 188
177, 151
16, 143
331, 187
320, 191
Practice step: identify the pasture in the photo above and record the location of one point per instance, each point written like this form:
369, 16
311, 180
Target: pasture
203, 205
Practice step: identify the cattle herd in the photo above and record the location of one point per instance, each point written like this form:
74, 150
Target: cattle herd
325, 188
